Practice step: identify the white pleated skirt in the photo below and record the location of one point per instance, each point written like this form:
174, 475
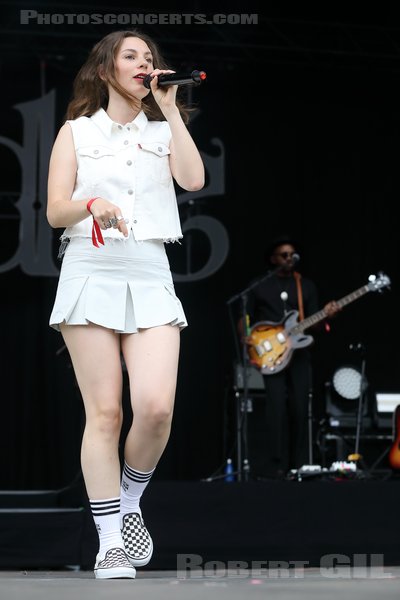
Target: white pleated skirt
124, 285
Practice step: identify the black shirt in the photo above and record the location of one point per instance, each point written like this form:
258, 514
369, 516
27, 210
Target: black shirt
264, 302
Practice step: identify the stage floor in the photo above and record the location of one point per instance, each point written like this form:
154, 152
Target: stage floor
170, 585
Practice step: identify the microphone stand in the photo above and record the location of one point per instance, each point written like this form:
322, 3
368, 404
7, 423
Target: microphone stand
363, 386
243, 465
310, 416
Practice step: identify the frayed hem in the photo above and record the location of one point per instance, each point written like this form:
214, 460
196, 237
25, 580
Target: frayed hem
65, 239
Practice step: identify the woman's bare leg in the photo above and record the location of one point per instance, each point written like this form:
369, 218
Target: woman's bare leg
151, 357
95, 355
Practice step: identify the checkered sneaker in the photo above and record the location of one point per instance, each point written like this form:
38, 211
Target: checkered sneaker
137, 540
114, 565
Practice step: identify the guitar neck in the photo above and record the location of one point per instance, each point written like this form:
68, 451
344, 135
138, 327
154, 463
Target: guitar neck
320, 315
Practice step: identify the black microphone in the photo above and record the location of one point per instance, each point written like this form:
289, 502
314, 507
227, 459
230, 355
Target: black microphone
194, 78
295, 258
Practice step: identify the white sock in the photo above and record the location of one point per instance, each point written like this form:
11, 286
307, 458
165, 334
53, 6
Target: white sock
133, 484
106, 517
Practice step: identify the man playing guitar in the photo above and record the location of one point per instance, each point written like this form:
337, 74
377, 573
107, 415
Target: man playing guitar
287, 390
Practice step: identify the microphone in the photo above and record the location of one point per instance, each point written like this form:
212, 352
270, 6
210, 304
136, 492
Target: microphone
295, 258
194, 78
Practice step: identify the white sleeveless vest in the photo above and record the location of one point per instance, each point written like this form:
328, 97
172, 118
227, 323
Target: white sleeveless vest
129, 166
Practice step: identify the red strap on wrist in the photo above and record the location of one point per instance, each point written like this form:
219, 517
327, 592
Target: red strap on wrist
97, 237
90, 202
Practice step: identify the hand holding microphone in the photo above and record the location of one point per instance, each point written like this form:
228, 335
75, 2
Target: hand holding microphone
196, 77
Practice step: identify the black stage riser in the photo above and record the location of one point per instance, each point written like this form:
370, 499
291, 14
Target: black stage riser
247, 521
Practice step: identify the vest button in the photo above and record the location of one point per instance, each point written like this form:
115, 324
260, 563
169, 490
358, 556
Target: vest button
95, 151
130, 192
129, 162
159, 148
126, 142
134, 220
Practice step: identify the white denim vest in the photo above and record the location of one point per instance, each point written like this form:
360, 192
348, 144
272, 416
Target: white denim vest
129, 166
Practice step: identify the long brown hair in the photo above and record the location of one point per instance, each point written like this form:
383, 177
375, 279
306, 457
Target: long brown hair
90, 91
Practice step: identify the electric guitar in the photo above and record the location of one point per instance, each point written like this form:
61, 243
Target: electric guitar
394, 452
271, 345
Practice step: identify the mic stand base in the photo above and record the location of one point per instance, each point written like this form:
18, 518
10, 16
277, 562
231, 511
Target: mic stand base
224, 476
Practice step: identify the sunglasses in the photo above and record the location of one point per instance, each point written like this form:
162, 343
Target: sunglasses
285, 254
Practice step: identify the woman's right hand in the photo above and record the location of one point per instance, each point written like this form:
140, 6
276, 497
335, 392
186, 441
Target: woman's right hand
108, 215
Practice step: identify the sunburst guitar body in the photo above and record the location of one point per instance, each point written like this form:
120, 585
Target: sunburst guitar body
271, 345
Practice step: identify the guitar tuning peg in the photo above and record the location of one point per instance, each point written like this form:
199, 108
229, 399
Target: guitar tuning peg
372, 278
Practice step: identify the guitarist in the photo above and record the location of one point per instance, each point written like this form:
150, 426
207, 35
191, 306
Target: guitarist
287, 391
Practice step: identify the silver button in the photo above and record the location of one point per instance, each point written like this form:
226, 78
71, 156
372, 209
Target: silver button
159, 148
95, 151
130, 192
129, 162
119, 126
126, 142
134, 220
128, 128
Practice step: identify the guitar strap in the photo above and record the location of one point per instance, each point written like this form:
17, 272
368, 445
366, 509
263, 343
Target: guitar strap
297, 277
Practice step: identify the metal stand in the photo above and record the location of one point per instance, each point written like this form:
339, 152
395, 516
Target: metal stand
242, 423
363, 387
310, 421
242, 405
310, 468
244, 469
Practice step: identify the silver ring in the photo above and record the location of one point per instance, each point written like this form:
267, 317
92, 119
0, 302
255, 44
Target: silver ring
108, 224
120, 218
113, 221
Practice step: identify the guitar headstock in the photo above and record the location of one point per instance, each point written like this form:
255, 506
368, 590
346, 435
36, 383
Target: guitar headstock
377, 283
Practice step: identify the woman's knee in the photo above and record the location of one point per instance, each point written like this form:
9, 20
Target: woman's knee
156, 417
106, 418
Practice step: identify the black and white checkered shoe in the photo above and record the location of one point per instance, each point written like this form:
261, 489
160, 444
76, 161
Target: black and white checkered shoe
137, 541
114, 565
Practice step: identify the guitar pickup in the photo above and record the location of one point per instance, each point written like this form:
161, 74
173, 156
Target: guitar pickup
267, 346
259, 349
281, 337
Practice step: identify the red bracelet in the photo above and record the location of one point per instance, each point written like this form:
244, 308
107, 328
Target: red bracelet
90, 202
97, 237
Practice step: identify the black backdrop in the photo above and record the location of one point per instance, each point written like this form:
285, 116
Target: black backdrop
306, 107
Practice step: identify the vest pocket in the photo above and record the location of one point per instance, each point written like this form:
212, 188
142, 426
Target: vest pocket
95, 163
155, 161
